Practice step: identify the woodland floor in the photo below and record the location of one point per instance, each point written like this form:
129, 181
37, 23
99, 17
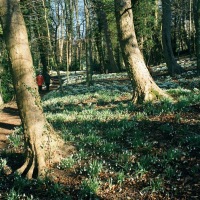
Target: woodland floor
9, 117
188, 187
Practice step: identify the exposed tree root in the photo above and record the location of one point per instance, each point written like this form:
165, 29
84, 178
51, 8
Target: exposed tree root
40, 159
152, 93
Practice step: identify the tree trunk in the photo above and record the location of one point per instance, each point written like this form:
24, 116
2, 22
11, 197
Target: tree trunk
102, 18
145, 89
69, 11
1, 98
88, 45
173, 67
41, 30
197, 27
78, 40
98, 39
43, 146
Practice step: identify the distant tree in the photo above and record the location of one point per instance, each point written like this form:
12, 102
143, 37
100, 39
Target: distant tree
78, 45
197, 26
172, 65
42, 145
147, 22
69, 18
1, 97
1, 100
40, 26
144, 87
103, 23
88, 44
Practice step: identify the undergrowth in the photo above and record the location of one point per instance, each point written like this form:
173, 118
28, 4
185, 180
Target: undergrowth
151, 150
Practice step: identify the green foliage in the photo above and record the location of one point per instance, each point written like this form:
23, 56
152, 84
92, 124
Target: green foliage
185, 97
137, 139
195, 169
89, 188
148, 31
3, 163
67, 163
156, 185
140, 170
94, 168
163, 107
113, 137
91, 141
120, 177
107, 148
147, 161
20, 183
7, 85
172, 155
170, 172
56, 190
192, 140
117, 142
139, 116
14, 195
23, 188
16, 138
81, 155
179, 92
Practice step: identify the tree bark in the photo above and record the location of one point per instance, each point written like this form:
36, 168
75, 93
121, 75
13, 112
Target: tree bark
78, 33
100, 50
42, 145
102, 18
88, 45
1, 97
69, 32
197, 27
144, 88
173, 67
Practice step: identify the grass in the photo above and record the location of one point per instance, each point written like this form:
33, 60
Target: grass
149, 151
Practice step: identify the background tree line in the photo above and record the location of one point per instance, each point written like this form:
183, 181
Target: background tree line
67, 27
75, 35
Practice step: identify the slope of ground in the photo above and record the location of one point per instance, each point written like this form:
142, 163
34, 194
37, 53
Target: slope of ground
9, 116
149, 154
9, 119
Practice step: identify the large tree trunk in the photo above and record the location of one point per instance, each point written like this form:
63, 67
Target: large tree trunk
43, 146
145, 89
172, 65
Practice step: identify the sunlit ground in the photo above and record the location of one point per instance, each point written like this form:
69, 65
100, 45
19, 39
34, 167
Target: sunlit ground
124, 151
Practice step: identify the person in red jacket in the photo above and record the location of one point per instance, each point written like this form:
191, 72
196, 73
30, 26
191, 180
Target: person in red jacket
40, 81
